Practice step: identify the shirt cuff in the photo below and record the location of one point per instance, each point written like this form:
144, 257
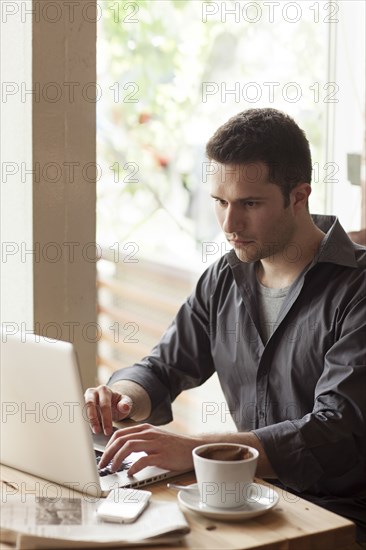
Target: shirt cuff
160, 400
291, 460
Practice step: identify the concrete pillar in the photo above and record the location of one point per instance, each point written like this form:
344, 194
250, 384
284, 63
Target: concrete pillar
64, 190
50, 128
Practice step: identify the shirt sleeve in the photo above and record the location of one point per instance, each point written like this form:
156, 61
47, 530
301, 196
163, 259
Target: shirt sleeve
182, 359
328, 444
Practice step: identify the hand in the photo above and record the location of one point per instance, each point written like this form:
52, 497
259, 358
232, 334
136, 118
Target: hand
164, 449
103, 405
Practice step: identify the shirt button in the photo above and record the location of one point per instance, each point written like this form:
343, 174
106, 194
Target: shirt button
261, 414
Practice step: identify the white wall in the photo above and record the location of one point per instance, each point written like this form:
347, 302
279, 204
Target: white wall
16, 148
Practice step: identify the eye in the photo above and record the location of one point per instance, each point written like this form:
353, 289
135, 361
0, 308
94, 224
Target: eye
221, 202
251, 204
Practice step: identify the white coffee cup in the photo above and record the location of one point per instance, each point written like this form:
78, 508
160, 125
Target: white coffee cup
225, 483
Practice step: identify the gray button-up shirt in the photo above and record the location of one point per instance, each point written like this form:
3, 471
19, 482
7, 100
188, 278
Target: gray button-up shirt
303, 393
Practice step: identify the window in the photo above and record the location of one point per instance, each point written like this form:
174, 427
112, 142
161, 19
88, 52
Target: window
171, 72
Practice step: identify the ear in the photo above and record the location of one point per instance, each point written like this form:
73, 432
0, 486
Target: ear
299, 195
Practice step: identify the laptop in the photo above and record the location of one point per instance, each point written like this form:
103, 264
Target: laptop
44, 427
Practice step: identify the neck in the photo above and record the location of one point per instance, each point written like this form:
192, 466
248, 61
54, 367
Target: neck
282, 268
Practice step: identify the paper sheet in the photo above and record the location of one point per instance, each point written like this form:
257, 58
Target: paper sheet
74, 519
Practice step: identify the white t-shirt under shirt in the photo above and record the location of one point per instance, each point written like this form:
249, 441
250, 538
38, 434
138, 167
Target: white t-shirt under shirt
270, 301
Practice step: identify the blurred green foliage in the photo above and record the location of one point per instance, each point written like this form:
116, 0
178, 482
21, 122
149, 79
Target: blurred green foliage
154, 57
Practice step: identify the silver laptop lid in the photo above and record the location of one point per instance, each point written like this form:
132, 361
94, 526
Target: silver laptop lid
44, 428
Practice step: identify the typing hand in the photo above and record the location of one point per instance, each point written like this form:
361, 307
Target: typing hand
163, 449
103, 405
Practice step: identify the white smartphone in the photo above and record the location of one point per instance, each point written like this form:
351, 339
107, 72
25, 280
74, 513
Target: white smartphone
123, 505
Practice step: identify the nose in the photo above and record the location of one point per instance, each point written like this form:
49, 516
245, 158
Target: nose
233, 221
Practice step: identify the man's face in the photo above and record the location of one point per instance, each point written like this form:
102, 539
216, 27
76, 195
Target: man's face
251, 211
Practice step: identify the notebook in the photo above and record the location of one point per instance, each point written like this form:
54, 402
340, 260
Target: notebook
44, 428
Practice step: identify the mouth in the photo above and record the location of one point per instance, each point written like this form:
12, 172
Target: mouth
239, 242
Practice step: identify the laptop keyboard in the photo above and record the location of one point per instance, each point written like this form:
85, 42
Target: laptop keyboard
106, 471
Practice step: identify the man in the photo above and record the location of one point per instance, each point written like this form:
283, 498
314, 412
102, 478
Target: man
281, 318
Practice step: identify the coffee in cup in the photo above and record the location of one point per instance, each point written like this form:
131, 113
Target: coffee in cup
225, 472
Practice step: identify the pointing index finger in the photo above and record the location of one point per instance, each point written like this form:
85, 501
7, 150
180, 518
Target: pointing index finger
92, 410
105, 407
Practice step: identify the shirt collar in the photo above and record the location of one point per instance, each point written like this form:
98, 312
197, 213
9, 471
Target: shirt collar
336, 247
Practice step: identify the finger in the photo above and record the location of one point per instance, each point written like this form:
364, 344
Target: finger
124, 407
134, 446
131, 431
110, 451
91, 400
143, 462
105, 408
122, 448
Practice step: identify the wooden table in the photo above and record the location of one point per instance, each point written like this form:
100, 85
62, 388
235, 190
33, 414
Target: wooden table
294, 524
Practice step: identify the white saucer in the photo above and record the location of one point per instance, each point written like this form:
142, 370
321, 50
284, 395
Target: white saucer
261, 501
